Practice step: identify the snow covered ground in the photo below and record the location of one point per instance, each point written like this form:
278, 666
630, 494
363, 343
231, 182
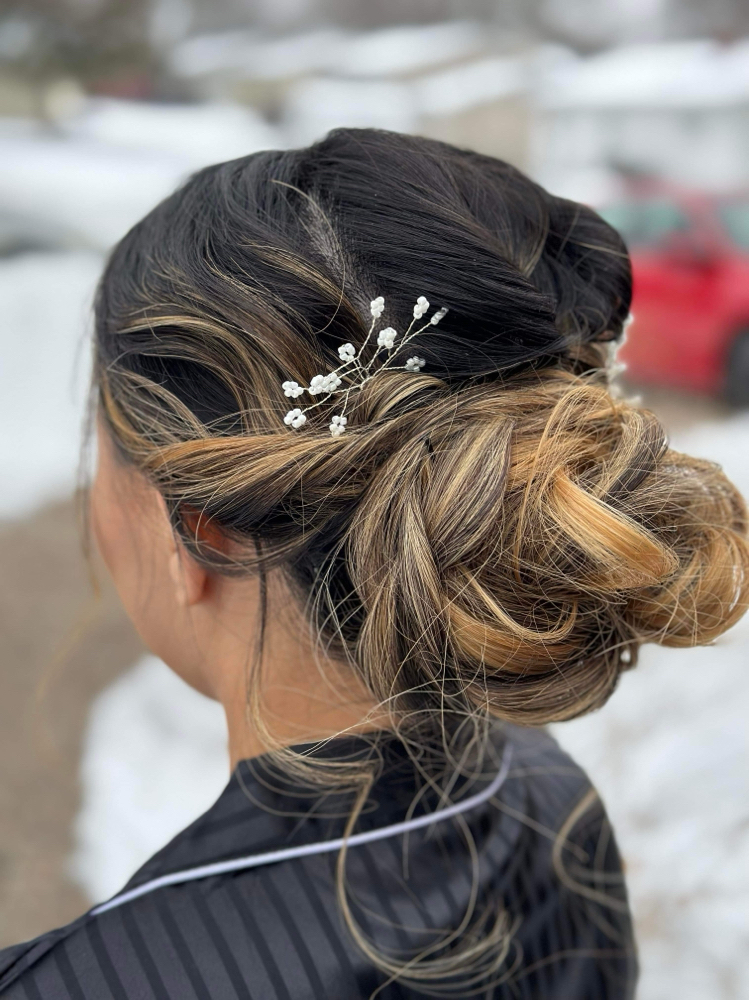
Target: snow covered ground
45, 301
154, 758
98, 172
80, 185
670, 757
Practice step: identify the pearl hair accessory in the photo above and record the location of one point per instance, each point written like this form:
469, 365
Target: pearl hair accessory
353, 374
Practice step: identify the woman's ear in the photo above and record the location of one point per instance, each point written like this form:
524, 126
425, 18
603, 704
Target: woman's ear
189, 577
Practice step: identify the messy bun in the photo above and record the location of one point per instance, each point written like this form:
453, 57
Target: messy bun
494, 536
539, 535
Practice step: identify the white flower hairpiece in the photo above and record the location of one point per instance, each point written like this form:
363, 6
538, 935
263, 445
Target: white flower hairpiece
295, 418
354, 371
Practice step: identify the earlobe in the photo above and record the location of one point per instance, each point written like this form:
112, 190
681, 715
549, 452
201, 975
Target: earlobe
188, 577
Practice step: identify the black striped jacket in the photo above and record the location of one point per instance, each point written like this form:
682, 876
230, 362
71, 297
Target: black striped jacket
275, 932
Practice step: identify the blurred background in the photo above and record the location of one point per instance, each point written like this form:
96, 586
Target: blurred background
638, 107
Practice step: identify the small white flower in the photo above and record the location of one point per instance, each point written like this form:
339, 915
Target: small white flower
347, 352
440, 314
295, 418
377, 306
338, 425
292, 389
414, 364
323, 383
422, 304
386, 337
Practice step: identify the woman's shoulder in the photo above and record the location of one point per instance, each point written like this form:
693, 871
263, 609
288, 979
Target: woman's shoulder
544, 772
275, 931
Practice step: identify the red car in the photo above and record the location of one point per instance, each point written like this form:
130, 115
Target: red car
690, 256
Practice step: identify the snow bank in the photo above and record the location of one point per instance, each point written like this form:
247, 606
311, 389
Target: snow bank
384, 52
315, 105
409, 48
247, 54
84, 185
189, 135
470, 85
154, 758
95, 190
700, 74
44, 373
669, 756
104, 168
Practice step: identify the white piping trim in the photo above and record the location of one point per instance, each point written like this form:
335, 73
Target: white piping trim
304, 850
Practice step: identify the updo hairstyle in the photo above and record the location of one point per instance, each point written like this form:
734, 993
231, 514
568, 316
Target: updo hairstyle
494, 536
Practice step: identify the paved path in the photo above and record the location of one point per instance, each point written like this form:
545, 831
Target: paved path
48, 676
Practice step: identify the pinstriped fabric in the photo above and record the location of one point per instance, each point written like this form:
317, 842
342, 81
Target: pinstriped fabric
31, 990
143, 957
276, 932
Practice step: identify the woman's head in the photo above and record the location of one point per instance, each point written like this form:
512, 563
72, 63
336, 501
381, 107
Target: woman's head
494, 535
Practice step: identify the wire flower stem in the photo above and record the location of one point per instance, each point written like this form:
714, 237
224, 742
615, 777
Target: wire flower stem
352, 366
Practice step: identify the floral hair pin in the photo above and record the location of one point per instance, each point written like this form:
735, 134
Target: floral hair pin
353, 373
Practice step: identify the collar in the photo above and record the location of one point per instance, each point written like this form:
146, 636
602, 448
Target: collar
262, 810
